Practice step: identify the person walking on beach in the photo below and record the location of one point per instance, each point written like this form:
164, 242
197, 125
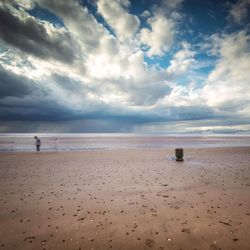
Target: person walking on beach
37, 143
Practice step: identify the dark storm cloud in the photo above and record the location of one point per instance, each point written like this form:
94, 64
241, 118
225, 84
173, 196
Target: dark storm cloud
26, 100
31, 36
37, 110
13, 85
81, 126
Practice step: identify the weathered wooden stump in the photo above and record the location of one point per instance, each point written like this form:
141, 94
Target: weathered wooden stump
179, 154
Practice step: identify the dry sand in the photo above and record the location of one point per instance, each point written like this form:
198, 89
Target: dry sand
126, 199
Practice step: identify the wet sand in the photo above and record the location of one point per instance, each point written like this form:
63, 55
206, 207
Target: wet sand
126, 199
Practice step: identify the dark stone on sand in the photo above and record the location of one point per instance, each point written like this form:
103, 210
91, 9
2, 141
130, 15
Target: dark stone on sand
225, 223
186, 230
81, 219
179, 154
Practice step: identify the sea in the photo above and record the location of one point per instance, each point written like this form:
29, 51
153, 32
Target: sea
56, 142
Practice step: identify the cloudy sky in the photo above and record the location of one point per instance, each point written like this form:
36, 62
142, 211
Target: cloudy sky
142, 66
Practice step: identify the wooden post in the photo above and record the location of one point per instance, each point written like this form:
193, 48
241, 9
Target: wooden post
179, 154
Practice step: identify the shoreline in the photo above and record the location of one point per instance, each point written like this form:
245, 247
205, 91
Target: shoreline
88, 143
208, 147
125, 199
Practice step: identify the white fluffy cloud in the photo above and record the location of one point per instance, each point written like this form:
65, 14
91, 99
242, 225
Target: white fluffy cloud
182, 61
159, 38
226, 90
227, 86
79, 21
116, 15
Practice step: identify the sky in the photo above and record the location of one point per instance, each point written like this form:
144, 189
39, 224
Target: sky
136, 66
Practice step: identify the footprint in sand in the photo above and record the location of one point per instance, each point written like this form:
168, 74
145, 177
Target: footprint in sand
149, 243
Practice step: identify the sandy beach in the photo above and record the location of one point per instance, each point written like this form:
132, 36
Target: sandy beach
126, 199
